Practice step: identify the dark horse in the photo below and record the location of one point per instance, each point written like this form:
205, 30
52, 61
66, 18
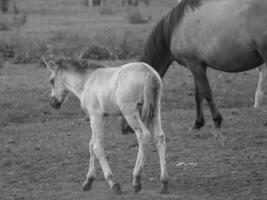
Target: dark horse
226, 35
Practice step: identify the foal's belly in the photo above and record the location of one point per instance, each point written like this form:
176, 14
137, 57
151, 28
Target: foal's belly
111, 109
108, 103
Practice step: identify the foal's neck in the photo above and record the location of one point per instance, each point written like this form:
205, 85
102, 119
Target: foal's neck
74, 82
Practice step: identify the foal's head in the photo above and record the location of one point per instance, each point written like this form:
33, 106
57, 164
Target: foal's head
59, 92
66, 72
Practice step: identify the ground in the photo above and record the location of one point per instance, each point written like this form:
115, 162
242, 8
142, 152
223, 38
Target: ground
44, 153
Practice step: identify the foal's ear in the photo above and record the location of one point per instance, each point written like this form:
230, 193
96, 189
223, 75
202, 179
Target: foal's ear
51, 66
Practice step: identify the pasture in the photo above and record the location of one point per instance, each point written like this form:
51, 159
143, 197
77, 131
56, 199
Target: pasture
44, 153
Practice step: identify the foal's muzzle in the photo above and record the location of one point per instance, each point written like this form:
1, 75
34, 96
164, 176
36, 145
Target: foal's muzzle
54, 103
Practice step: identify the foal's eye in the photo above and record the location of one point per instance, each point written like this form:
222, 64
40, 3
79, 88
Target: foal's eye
52, 81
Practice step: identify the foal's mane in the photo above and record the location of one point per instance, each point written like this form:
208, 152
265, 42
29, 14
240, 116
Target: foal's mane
157, 46
77, 65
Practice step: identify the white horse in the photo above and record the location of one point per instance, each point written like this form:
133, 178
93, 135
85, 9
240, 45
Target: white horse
133, 90
90, 3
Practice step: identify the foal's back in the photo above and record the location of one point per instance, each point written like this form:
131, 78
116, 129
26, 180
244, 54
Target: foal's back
133, 77
108, 87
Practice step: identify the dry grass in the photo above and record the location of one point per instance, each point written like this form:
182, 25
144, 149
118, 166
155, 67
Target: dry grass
21, 49
135, 17
12, 21
68, 28
44, 153
107, 10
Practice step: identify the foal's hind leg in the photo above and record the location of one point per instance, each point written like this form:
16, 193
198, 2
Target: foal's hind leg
143, 137
159, 137
259, 95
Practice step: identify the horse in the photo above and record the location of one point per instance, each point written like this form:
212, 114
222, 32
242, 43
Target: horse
259, 94
225, 35
5, 6
133, 90
134, 2
91, 3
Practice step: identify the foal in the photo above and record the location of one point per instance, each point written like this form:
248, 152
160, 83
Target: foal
132, 90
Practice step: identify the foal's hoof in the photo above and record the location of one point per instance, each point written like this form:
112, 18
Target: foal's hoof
116, 188
86, 186
137, 188
164, 187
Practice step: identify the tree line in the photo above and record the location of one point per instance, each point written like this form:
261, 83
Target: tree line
123, 3
6, 4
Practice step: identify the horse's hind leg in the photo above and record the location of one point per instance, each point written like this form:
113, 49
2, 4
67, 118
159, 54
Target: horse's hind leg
159, 137
143, 137
259, 95
97, 125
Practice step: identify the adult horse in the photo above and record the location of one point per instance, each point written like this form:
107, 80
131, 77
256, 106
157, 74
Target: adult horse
259, 94
225, 35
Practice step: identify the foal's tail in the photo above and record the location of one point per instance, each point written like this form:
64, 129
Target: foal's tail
152, 97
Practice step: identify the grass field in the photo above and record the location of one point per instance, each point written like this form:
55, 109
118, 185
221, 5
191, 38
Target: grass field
44, 153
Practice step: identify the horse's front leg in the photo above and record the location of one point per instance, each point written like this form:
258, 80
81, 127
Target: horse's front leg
97, 125
217, 118
203, 90
87, 185
200, 121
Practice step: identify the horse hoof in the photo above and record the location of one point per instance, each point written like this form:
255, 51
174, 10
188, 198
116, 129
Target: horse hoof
137, 188
116, 188
198, 125
164, 187
218, 122
86, 186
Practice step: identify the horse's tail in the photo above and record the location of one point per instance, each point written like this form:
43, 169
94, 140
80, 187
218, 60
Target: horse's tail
151, 99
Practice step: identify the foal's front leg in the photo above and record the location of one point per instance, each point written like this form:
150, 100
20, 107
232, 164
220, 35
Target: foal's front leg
97, 125
87, 185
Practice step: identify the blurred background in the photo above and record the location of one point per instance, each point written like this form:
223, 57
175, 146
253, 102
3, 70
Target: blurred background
44, 153
111, 29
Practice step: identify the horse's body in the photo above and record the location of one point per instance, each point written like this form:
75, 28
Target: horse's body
133, 91
227, 35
